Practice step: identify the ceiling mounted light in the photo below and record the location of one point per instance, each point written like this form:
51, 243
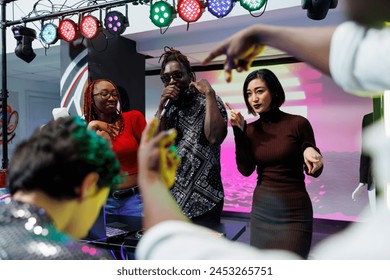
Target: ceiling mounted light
89, 27
162, 14
318, 9
49, 33
220, 8
252, 5
67, 30
115, 23
190, 10
24, 37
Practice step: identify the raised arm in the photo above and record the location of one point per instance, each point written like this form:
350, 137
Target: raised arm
244, 159
311, 45
215, 126
158, 162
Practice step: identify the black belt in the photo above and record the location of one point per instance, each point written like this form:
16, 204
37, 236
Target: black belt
125, 193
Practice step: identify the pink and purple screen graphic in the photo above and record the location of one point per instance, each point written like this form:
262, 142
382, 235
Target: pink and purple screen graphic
336, 118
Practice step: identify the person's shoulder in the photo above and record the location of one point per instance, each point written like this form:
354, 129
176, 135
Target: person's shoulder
219, 99
252, 125
18, 239
77, 250
132, 113
70, 248
293, 116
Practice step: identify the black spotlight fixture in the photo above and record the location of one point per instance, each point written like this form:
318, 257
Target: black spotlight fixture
24, 37
115, 22
318, 9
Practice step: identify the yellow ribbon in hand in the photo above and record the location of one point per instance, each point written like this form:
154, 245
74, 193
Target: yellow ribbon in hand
169, 159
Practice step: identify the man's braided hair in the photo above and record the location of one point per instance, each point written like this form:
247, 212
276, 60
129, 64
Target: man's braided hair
171, 54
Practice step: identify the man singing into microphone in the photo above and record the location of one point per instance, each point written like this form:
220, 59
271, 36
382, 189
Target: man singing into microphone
200, 118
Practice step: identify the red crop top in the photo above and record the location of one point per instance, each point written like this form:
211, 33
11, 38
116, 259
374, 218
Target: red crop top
126, 144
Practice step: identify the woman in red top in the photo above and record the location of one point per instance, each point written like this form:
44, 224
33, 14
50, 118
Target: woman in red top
103, 113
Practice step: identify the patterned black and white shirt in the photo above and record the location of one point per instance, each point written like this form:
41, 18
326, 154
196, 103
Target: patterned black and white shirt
198, 186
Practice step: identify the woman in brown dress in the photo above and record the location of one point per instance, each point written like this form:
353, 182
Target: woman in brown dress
281, 147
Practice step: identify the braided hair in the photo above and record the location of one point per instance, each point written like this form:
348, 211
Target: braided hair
171, 54
90, 113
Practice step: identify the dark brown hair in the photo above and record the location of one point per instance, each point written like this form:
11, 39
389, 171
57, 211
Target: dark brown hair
274, 87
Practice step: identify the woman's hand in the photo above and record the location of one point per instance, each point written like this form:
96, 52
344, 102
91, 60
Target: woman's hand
97, 125
157, 158
102, 128
313, 160
236, 119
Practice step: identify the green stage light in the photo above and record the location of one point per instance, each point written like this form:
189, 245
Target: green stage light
161, 14
252, 5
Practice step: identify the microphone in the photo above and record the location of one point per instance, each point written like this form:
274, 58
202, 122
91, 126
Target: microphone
166, 107
188, 92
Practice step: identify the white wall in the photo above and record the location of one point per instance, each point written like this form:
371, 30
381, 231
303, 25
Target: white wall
33, 101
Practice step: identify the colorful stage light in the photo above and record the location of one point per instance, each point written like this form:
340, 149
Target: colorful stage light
49, 33
67, 30
161, 13
115, 22
220, 8
190, 10
89, 27
252, 5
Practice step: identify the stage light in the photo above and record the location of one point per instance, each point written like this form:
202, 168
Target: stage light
67, 30
89, 27
162, 14
115, 23
190, 10
318, 9
24, 37
49, 34
220, 8
252, 5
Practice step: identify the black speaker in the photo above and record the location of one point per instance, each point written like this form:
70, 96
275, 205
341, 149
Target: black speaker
318, 9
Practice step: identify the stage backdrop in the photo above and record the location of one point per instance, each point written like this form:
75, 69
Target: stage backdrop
336, 118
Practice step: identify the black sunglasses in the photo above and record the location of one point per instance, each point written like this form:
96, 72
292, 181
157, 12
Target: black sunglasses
166, 78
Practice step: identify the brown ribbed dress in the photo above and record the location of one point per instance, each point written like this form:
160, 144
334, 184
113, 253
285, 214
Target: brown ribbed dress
282, 213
